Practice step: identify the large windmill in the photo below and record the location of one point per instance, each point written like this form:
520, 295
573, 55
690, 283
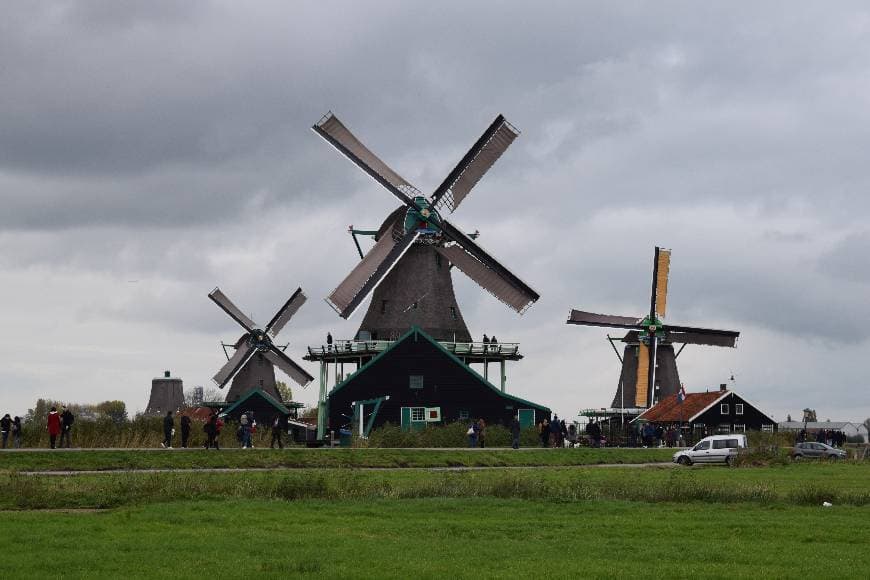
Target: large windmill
641, 383
408, 268
255, 353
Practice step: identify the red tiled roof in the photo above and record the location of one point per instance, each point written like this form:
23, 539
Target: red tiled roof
196, 413
671, 410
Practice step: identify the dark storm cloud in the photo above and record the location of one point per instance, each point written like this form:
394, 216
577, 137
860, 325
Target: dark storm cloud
169, 142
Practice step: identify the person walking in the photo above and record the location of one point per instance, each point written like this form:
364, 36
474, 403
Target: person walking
66, 423
545, 432
53, 427
16, 432
185, 430
481, 433
472, 434
245, 431
209, 429
5, 428
276, 433
515, 433
168, 430
555, 429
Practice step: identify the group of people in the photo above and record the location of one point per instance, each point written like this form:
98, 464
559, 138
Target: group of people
11, 427
490, 343
555, 433
477, 433
826, 436
213, 426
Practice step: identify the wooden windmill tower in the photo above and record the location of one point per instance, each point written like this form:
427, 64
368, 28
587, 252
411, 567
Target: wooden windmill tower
643, 382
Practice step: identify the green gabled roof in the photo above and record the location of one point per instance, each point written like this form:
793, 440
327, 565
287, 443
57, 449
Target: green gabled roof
416, 331
269, 399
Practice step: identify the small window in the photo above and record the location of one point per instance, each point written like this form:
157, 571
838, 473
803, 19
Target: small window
767, 428
463, 414
437, 260
453, 312
415, 382
738, 408
261, 382
414, 306
383, 306
418, 413
723, 429
723, 409
739, 428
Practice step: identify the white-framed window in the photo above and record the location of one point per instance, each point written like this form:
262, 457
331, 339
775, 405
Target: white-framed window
767, 428
415, 381
698, 426
723, 409
738, 408
463, 414
418, 413
723, 429
739, 428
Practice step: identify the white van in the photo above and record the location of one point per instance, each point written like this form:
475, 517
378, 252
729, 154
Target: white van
712, 449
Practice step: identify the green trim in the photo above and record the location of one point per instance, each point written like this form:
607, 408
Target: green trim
269, 399
416, 331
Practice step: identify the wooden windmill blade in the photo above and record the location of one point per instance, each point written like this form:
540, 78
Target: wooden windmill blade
242, 355
283, 316
474, 165
336, 134
662, 270
642, 386
584, 318
368, 273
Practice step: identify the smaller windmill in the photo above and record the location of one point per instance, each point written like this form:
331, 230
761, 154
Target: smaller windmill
256, 343
650, 342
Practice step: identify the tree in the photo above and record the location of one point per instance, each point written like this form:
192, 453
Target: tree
284, 391
114, 410
309, 412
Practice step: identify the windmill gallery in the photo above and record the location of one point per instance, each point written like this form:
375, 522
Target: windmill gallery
413, 362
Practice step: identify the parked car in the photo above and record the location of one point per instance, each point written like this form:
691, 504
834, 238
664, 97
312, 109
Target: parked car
712, 449
816, 450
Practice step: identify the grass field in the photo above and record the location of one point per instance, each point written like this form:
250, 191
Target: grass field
321, 458
334, 522
440, 538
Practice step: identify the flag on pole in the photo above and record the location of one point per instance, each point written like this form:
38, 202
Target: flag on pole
681, 394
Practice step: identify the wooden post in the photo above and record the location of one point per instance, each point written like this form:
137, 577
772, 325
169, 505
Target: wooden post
503, 377
321, 400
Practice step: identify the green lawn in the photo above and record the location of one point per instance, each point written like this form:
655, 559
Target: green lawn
320, 458
439, 538
802, 484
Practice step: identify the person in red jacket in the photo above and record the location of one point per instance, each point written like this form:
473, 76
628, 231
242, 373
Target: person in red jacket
53, 426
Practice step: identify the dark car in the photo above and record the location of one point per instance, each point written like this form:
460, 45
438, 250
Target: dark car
817, 450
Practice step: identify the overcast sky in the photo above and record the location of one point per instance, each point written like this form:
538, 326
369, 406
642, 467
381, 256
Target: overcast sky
150, 151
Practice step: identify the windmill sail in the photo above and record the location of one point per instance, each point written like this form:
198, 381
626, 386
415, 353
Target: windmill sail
490, 280
641, 389
340, 137
368, 273
606, 320
232, 366
662, 269
283, 316
286, 364
474, 165
234, 311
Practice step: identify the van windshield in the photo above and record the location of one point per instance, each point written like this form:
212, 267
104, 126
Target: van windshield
702, 446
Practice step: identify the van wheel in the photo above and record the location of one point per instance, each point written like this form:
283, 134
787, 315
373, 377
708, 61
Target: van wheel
684, 461
797, 457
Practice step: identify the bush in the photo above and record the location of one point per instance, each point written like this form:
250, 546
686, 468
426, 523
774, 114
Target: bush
447, 435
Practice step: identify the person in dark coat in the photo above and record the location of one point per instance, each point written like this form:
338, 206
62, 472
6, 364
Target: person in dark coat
481, 433
545, 432
168, 428
16, 432
185, 430
329, 341
5, 428
276, 432
209, 429
515, 433
53, 427
66, 423
555, 429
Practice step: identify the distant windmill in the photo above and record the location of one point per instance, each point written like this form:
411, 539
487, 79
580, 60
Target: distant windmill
651, 340
414, 240
255, 345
